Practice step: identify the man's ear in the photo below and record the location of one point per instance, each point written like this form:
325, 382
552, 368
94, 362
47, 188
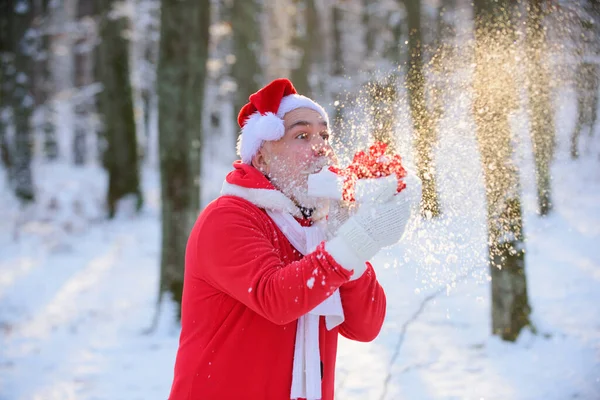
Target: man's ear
260, 160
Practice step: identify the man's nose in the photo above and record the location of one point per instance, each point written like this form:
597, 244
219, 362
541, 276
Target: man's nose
320, 147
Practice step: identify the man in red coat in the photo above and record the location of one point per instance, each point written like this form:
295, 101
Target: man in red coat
268, 284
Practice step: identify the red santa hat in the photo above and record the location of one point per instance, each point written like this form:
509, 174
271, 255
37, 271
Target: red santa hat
262, 118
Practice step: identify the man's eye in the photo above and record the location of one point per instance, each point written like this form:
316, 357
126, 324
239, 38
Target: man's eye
302, 135
325, 135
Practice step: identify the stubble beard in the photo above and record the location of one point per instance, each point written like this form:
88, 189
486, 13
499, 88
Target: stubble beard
294, 185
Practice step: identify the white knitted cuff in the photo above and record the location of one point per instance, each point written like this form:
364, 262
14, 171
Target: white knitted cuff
343, 255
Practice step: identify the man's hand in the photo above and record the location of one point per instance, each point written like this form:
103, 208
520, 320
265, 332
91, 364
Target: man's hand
372, 227
368, 192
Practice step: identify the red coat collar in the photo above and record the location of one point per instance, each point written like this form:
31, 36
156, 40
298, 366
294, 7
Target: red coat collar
247, 176
247, 182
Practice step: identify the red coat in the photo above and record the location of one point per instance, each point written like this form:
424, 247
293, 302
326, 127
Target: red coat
244, 289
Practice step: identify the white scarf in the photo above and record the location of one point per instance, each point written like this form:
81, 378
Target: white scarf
306, 374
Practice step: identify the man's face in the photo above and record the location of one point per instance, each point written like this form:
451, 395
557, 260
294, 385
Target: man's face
303, 150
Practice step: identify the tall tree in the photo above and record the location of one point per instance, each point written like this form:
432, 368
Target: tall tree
337, 63
384, 97
306, 39
146, 57
246, 45
587, 72
17, 48
43, 86
120, 157
277, 36
494, 98
442, 62
5, 84
82, 59
370, 28
424, 130
181, 79
541, 113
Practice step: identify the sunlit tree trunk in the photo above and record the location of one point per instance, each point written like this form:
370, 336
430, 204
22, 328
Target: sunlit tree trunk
384, 98
181, 79
383, 95
541, 112
494, 98
424, 130
116, 107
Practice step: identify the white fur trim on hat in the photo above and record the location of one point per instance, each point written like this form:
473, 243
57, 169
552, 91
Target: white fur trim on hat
294, 101
259, 128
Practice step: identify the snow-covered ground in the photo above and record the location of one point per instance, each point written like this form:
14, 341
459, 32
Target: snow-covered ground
78, 293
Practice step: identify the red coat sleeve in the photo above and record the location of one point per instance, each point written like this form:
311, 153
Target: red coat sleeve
364, 305
237, 253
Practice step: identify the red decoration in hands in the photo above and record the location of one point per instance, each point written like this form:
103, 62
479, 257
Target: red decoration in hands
374, 164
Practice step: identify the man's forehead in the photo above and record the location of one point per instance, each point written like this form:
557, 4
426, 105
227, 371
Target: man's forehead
303, 117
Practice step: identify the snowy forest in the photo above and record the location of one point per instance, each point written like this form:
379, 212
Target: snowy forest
118, 124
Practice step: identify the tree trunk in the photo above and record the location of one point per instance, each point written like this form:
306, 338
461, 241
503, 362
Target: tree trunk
147, 95
306, 39
20, 96
587, 83
338, 64
116, 106
277, 34
424, 131
181, 79
83, 61
5, 153
44, 89
246, 71
541, 113
587, 72
370, 32
442, 61
5, 84
494, 98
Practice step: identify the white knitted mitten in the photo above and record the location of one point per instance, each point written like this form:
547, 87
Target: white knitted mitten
372, 228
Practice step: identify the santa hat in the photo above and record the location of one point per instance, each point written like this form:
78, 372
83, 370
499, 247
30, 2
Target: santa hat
262, 118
